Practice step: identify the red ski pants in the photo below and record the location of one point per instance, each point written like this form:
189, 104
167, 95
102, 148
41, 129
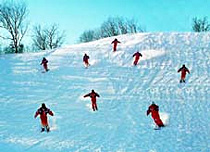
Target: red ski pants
157, 120
94, 106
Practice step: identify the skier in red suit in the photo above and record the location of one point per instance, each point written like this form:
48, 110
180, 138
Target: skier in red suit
85, 60
154, 110
115, 44
137, 56
183, 71
44, 63
93, 96
43, 111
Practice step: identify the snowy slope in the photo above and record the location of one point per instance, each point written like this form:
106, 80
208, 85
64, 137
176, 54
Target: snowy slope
121, 124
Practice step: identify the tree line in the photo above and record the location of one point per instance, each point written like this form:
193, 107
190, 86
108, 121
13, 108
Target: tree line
117, 26
14, 26
113, 26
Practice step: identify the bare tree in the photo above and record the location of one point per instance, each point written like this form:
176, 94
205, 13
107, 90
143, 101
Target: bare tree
47, 38
55, 36
122, 25
39, 38
200, 25
112, 27
133, 26
87, 36
12, 20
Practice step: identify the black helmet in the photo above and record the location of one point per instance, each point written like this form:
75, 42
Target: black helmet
43, 105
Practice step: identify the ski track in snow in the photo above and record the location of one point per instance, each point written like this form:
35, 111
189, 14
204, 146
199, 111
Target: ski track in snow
121, 124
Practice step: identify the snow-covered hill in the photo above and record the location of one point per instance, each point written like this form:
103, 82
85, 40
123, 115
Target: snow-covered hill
121, 124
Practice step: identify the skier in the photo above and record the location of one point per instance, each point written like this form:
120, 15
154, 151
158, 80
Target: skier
154, 110
85, 60
43, 111
115, 44
93, 96
183, 71
137, 55
44, 62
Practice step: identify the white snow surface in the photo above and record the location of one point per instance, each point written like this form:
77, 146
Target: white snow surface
126, 91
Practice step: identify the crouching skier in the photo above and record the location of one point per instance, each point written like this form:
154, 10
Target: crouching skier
154, 110
43, 111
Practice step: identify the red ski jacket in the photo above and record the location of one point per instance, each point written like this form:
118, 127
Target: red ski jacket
183, 71
115, 41
92, 95
85, 58
153, 109
44, 61
137, 54
43, 115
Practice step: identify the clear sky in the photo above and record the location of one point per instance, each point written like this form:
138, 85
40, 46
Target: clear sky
76, 16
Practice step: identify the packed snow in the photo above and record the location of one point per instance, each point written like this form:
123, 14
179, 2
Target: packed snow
126, 91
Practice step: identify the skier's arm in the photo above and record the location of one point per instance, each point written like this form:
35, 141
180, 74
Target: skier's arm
97, 95
134, 54
188, 71
148, 112
87, 95
36, 114
140, 54
179, 70
118, 42
157, 108
51, 113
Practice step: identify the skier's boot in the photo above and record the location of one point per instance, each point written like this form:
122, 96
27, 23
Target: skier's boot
42, 129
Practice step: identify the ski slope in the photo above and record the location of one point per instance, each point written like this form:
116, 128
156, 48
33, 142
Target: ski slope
121, 124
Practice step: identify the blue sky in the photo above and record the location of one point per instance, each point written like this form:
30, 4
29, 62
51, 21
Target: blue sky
76, 16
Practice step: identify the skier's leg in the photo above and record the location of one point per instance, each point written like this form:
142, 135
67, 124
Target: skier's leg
45, 67
135, 62
96, 106
115, 47
87, 64
159, 123
183, 78
93, 107
47, 128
